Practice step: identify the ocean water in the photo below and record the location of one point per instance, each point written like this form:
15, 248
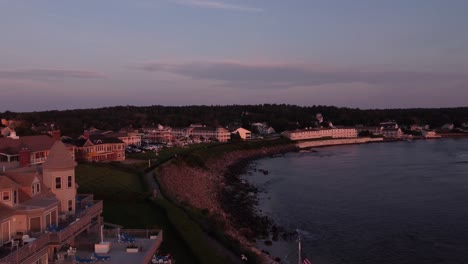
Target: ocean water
398, 202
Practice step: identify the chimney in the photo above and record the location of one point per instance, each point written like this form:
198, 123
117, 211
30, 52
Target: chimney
24, 157
56, 134
86, 134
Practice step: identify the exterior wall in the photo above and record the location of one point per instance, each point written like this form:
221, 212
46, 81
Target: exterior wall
332, 142
6, 224
179, 132
98, 152
222, 135
392, 133
65, 193
243, 133
38, 157
131, 140
315, 134
159, 135
8, 202
21, 223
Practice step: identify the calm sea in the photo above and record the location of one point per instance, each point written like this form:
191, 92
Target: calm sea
399, 202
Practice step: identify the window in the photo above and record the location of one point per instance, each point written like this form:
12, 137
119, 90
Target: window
70, 205
69, 181
6, 196
15, 197
58, 183
36, 188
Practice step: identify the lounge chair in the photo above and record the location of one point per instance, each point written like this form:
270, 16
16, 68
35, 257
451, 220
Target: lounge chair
53, 228
125, 238
100, 258
82, 260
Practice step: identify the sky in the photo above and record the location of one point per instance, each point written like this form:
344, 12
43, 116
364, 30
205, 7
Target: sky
364, 54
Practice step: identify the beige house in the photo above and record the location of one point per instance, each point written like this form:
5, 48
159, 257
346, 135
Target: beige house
243, 133
219, 133
99, 148
32, 201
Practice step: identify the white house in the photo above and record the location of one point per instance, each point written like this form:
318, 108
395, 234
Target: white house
243, 133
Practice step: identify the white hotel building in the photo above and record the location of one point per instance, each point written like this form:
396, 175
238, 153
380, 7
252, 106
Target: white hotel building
304, 134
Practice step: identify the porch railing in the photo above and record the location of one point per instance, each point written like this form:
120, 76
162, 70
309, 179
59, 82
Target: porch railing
83, 220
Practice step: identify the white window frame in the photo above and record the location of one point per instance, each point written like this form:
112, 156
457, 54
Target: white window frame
9, 195
59, 188
69, 181
36, 188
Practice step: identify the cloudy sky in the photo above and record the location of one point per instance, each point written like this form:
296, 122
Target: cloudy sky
363, 53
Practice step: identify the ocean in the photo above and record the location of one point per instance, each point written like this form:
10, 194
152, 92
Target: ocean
396, 202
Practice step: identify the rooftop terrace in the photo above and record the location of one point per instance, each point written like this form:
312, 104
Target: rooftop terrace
147, 241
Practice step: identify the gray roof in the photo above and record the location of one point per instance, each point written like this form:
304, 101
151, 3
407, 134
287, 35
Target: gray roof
59, 158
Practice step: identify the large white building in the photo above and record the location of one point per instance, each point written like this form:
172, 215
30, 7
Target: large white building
304, 134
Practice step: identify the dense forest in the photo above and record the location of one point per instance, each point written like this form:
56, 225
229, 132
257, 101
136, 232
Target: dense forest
279, 116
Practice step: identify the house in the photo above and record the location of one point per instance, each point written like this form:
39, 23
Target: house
158, 134
41, 215
243, 133
391, 132
262, 128
6, 131
430, 134
375, 130
99, 148
33, 200
220, 134
129, 137
388, 129
27, 150
447, 127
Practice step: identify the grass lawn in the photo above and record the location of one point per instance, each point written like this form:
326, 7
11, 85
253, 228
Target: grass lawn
125, 203
108, 183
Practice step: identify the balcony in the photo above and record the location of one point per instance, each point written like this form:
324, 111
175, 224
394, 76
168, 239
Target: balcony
84, 218
86, 215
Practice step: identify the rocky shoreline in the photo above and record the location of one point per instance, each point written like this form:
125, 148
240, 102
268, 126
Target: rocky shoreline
218, 189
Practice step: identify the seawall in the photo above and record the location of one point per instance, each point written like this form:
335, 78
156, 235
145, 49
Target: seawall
332, 142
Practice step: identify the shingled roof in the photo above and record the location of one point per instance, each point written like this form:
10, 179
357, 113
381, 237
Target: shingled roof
59, 158
7, 183
33, 143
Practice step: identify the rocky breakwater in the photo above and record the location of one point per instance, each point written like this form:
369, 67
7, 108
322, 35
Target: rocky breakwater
217, 189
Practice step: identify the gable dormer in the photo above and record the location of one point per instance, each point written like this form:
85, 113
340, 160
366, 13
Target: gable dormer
8, 191
36, 187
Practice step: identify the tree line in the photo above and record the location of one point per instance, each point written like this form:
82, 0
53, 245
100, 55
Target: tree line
279, 116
